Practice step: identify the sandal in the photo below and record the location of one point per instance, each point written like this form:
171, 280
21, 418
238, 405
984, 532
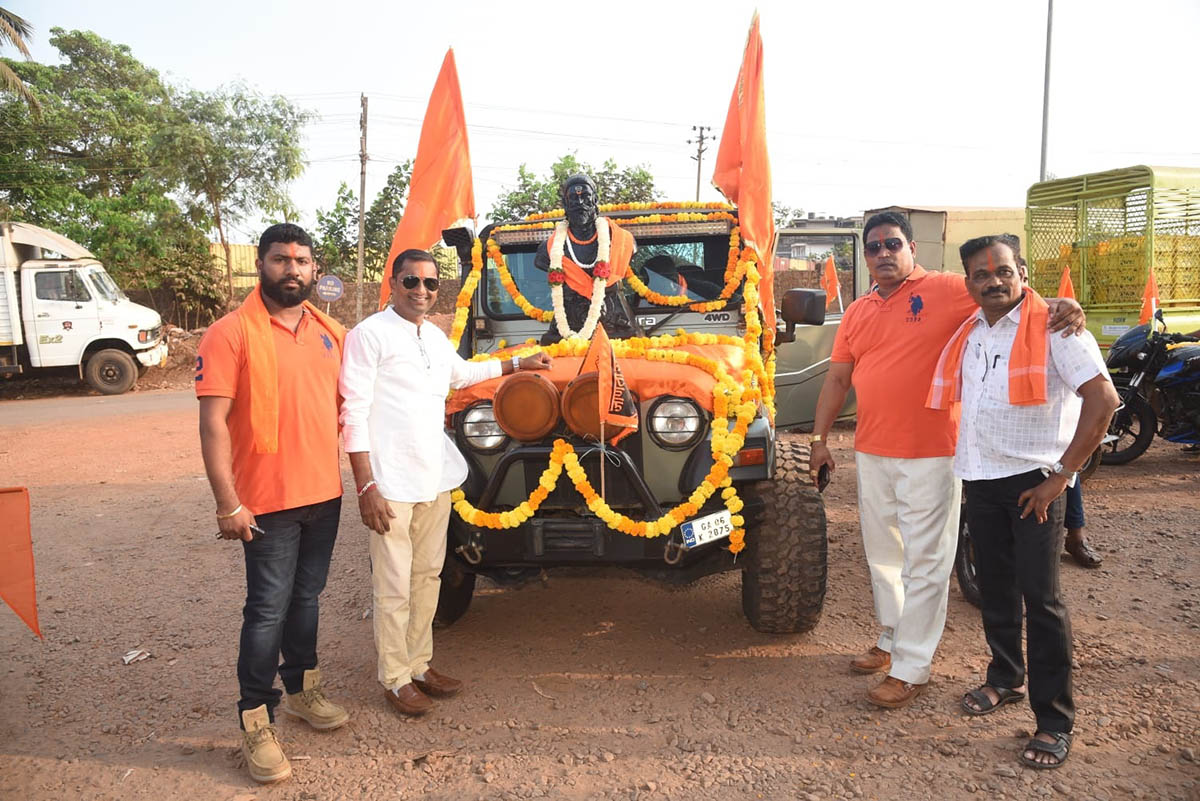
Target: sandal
1083, 554
986, 707
1059, 749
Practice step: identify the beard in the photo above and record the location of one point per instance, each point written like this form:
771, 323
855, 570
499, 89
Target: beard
286, 296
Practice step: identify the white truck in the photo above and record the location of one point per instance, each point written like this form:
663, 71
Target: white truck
64, 310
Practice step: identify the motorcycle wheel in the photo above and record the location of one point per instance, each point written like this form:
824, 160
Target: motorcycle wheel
1134, 426
1092, 464
964, 563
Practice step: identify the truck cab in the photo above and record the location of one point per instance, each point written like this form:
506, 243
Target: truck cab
67, 311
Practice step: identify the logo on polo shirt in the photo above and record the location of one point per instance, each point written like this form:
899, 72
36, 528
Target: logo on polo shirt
915, 306
328, 343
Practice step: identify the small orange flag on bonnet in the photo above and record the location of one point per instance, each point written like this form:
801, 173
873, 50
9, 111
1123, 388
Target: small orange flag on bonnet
440, 191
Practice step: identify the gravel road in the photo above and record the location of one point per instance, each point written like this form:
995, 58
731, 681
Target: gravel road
590, 684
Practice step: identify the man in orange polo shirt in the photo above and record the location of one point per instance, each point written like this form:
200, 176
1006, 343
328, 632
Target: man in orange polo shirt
267, 380
908, 498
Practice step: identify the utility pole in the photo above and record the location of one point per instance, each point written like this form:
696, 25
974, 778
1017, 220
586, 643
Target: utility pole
700, 148
1046, 88
362, 203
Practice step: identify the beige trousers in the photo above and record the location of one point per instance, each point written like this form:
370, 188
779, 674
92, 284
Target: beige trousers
908, 509
406, 575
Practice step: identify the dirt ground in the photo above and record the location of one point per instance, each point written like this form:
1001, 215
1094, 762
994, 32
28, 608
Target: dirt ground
591, 684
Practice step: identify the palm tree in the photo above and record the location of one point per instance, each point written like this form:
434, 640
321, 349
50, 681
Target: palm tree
15, 30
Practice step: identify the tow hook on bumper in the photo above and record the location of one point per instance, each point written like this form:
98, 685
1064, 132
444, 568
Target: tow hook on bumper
472, 552
673, 553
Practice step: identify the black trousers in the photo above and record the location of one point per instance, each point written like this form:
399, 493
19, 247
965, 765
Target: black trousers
1017, 560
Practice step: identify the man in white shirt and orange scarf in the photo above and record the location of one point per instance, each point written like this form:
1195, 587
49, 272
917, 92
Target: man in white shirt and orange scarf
398, 369
266, 377
1034, 406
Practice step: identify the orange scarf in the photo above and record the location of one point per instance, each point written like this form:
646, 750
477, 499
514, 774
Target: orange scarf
620, 250
264, 372
1026, 361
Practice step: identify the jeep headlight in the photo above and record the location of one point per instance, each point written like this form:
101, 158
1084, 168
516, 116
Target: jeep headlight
676, 423
480, 429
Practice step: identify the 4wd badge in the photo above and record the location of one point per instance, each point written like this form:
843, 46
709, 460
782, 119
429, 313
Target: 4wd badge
716, 317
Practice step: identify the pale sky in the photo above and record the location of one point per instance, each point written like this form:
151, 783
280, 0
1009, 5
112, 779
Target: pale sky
868, 103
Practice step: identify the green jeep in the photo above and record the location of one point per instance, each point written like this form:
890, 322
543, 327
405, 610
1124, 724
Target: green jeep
516, 516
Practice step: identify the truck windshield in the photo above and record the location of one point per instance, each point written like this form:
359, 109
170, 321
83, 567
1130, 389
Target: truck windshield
686, 265
105, 286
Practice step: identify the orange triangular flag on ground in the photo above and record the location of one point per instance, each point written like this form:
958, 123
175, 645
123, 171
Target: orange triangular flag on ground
831, 285
440, 191
743, 172
616, 401
1149, 298
16, 556
1066, 289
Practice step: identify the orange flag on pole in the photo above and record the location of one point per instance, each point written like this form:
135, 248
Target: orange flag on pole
16, 556
1149, 298
1066, 289
831, 285
743, 171
616, 401
440, 191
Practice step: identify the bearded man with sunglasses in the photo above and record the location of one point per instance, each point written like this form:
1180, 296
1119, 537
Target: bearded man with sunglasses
908, 498
396, 373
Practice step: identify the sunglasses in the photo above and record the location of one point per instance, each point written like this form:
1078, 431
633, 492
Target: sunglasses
413, 281
893, 243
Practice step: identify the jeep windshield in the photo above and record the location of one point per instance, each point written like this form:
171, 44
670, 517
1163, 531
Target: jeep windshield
671, 259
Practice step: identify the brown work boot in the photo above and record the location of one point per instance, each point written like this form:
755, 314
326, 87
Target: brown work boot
437, 685
1077, 545
876, 660
311, 705
408, 700
260, 747
893, 693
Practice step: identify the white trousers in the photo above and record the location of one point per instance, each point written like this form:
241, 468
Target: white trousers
909, 515
406, 576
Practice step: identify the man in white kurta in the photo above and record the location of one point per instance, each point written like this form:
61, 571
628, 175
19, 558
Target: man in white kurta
396, 372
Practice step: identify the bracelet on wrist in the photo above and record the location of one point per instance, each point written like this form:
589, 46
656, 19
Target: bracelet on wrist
363, 489
231, 514
816, 438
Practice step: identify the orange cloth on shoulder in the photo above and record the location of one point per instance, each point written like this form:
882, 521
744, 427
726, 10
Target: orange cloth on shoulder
620, 251
255, 321
647, 379
1026, 361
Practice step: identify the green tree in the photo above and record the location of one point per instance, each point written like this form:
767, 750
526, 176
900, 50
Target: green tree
337, 235
533, 194
381, 219
14, 30
236, 152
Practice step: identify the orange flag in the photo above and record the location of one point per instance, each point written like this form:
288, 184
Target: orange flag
831, 285
440, 191
743, 172
1149, 298
16, 556
1066, 289
616, 401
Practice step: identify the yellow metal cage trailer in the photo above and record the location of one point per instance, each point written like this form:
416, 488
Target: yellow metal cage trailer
1110, 228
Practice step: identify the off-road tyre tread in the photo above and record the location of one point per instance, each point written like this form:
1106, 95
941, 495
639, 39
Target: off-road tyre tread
784, 580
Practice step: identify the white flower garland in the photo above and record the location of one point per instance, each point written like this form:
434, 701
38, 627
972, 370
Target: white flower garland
599, 282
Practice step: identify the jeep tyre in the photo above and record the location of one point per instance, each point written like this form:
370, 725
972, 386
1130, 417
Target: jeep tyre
454, 597
783, 582
111, 371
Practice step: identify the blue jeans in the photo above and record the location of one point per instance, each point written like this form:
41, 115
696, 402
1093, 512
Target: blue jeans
285, 573
1074, 513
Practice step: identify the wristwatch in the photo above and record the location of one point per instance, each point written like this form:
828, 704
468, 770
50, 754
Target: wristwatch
516, 362
816, 438
1057, 468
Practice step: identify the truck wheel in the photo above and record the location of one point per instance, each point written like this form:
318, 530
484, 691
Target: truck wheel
454, 598
111, 371
783, 582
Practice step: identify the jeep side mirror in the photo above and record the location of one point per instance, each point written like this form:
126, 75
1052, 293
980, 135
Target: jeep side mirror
461, 239
801, 307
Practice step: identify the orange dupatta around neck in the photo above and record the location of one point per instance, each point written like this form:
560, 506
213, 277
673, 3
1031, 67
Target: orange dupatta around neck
255, 321
1026, 360
620, 251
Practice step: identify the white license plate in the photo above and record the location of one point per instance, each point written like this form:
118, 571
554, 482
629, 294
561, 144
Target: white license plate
706, 529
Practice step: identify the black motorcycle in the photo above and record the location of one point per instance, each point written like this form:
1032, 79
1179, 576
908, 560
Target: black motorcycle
1157, 375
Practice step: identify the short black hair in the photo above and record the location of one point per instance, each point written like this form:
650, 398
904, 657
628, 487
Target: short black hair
888, 218
283, 233
973, 246
412, 254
